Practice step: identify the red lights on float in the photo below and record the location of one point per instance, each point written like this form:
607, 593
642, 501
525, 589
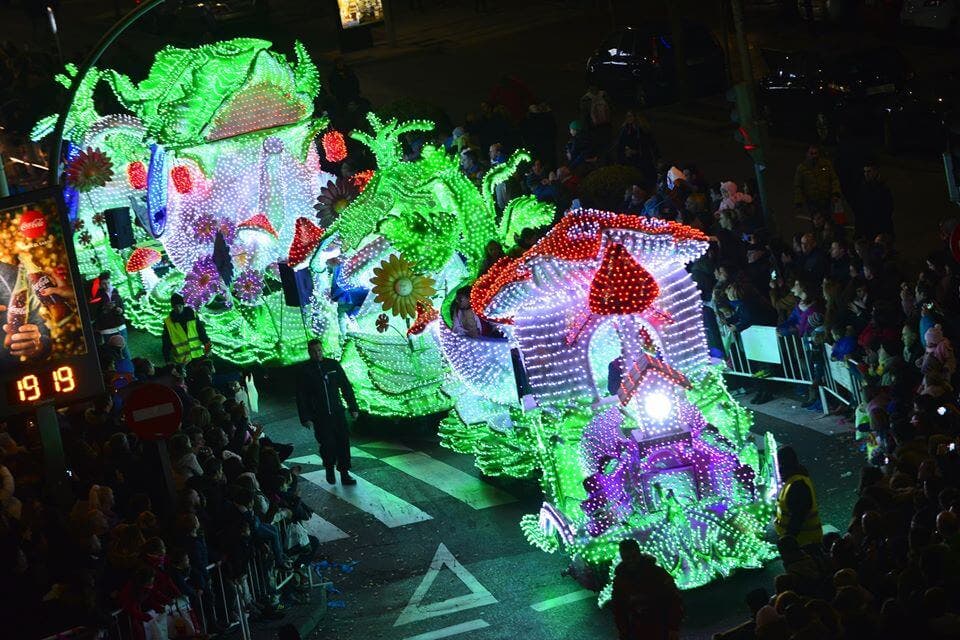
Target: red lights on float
334, 146
182, 181
306, 238
137, 175
361, 179
141, 258
621, 286
258, 222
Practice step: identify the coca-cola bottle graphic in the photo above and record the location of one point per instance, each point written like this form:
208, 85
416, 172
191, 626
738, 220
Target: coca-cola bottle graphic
57, 308
19, 306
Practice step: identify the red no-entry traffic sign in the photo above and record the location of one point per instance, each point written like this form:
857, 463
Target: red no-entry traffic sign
153, 411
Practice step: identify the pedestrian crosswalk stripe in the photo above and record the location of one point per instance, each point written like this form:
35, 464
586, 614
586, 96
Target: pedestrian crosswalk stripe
316, 460
452, 481
323, 530
479, 595
381, 504
559, 601
383, 444
453, 630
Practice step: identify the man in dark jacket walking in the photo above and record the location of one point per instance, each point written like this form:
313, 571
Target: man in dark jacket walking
646, 602
873, 205
319, 385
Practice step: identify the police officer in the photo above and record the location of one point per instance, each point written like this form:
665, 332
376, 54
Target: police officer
319, 387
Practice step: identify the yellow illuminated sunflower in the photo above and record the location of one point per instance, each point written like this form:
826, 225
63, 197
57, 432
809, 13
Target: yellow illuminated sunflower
397, 288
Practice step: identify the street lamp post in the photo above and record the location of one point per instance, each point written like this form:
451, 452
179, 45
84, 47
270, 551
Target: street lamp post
52, 19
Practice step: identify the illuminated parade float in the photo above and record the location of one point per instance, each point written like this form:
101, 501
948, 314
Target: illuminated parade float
593, 374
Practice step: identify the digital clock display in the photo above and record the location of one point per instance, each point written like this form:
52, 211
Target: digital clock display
46, 385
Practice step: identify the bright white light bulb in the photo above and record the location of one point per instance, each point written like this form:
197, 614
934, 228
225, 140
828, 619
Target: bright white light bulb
657, 406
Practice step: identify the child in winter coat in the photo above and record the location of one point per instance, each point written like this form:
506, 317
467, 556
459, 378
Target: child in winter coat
940, 347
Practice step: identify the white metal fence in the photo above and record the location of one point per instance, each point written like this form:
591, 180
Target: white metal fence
761, 353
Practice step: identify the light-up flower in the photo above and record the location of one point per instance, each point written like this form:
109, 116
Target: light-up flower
383, 323
91, 168
85, 238
333, 199
205, 228
228, 230
202, 283
397, 288
248, 285
99, 218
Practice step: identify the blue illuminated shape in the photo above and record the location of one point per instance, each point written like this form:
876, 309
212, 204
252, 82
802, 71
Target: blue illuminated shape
157, 191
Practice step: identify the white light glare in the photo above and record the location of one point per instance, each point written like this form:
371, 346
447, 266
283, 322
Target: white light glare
657, 406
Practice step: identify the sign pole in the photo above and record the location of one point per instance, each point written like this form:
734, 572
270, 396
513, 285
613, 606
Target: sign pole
54, 461
166, 472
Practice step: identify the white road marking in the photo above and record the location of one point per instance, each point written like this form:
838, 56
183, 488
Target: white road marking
452, 481
479, 596
315, 459
559, 601
381, 504
325, 531
383, 444
454, 630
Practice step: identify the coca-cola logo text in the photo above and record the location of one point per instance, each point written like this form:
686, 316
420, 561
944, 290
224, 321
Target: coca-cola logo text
33, 224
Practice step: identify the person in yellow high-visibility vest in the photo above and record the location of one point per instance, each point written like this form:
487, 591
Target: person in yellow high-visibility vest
184, 336
797, 513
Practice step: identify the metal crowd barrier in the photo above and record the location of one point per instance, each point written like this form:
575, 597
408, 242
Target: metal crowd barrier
220, 607
760, 353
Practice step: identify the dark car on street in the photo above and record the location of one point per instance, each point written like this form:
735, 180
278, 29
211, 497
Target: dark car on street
222, 18
639, 63
808, 94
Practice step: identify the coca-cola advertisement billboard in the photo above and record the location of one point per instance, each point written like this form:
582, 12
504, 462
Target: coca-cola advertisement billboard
46, 347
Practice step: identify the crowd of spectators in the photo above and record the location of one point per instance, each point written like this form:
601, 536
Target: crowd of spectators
121, 539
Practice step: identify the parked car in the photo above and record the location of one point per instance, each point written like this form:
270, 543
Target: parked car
225, 11
191, 19
807, 94
639, 63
